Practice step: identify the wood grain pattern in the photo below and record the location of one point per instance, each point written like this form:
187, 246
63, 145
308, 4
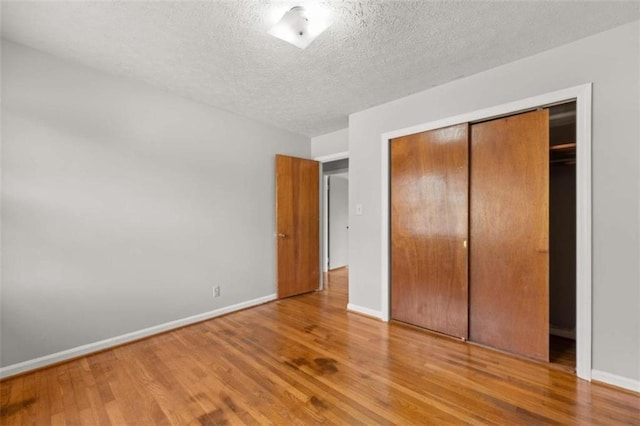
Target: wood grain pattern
306, 360
562, 352
429, 224
297, 225
509, 234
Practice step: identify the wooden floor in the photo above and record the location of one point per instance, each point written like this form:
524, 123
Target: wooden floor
562, 352
305, 360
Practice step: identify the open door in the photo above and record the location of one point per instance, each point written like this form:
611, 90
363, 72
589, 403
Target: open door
297, 225
509, 230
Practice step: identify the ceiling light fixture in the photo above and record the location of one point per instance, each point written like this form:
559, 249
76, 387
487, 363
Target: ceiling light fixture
300, 26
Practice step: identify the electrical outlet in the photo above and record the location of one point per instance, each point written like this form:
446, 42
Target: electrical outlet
216, 291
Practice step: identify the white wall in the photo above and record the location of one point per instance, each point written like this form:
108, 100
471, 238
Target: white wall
611, 61
338, 220
330, 143
122, 205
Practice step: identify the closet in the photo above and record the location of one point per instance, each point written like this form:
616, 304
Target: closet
562, 234
470, 232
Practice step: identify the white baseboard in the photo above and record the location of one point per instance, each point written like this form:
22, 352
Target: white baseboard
22, 367
364, 311
615, 380
562, 332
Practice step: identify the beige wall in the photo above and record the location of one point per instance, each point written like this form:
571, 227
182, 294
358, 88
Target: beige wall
330, 143
123, 205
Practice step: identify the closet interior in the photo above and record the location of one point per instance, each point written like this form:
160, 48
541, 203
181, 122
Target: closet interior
562, 234
483, 235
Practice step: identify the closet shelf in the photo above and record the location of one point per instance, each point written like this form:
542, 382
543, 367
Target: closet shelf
563, 146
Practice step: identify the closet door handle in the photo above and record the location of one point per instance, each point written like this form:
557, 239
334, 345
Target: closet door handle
464, 244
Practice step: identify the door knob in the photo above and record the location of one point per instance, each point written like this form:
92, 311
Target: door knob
281, 235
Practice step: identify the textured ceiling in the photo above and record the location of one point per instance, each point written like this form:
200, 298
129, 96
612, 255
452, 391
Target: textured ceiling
219, 52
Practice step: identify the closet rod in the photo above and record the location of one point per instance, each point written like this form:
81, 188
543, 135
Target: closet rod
562, 146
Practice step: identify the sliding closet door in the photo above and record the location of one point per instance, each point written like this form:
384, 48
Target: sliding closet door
509, 232
429, 222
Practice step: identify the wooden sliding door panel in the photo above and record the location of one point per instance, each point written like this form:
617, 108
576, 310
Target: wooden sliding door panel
297, 225
509, 231
429, 221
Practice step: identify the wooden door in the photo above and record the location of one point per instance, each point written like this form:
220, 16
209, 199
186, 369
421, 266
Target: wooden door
429, 223
297, 225
509, 232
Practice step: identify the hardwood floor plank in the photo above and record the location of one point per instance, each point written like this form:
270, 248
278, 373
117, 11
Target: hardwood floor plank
97, 409
311, 362
29, 397
13, 403
210, 391
306, 360
331, 403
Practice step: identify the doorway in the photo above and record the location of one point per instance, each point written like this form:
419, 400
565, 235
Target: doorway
338, 221
335, 179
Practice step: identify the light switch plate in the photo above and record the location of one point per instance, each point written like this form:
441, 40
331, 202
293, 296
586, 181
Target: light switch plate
359, 209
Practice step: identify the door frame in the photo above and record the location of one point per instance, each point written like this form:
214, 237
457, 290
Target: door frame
326, 182
582, 95
324, 212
